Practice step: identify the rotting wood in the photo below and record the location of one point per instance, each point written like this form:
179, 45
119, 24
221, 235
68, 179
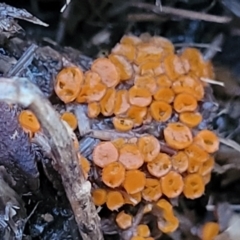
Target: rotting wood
25, 93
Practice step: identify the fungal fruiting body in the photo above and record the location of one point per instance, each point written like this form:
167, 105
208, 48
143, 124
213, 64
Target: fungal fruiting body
144, 81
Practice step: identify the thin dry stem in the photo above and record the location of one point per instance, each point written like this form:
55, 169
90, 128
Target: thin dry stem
230, 143
211, 81
183, 13
25, 93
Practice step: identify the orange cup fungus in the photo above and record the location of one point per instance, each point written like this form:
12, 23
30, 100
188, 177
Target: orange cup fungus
193, 186
71, 119
105, 153
29, 121
172, 184
152, 190
149, 147
130, 156
99, 196
168, 223
210, 230
144, 81
178, 135
68, 83
124, 220
114, 200
113, 174
134, 182
143, 230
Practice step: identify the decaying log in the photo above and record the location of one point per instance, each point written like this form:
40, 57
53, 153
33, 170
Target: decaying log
25, 93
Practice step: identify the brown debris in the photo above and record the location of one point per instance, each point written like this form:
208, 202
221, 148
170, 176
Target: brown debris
22, 91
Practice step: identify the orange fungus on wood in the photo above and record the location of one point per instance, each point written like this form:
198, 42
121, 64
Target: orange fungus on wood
93, 109
107, 71
29, 121
99, 196
68, 83
139, 96
121, 102
105, 153
149, 147
130, 156
71, 119
113, 174
107, 102
152, 190
160, 166
180, 161
134, 181
207, 140
193, 186
191, 119
172, 184
122, 124
124, 220
160, 111
114, 200
177, 135
184, 102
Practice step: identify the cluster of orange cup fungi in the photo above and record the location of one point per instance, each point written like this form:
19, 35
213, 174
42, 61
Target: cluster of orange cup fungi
141, 80
136, 170
144, 80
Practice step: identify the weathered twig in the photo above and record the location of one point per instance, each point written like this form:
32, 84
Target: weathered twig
22, 91
182, 13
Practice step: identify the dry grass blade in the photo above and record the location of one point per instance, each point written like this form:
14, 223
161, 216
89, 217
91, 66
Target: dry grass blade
183, 13
230, 143
25, 93
211, 81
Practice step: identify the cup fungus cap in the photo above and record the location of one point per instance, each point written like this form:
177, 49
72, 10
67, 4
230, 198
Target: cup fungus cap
149, 147
107, 102
207, 140
159, 166
184, 102
134, 181
105, 153
29, 121
107, 71
124, 220
160, 111
114, 200
164, 94
122, 124
113, 174
191, 119
178, 135
173, 66
143, 230
152, 68
180, 161
172, 184
193, 186
210, 230
152, 190
71, 119
121, 105
123, 66
68, 83
130, 156
99, 196
93, 109
196, 153
146, 81
169, 225
140, 97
